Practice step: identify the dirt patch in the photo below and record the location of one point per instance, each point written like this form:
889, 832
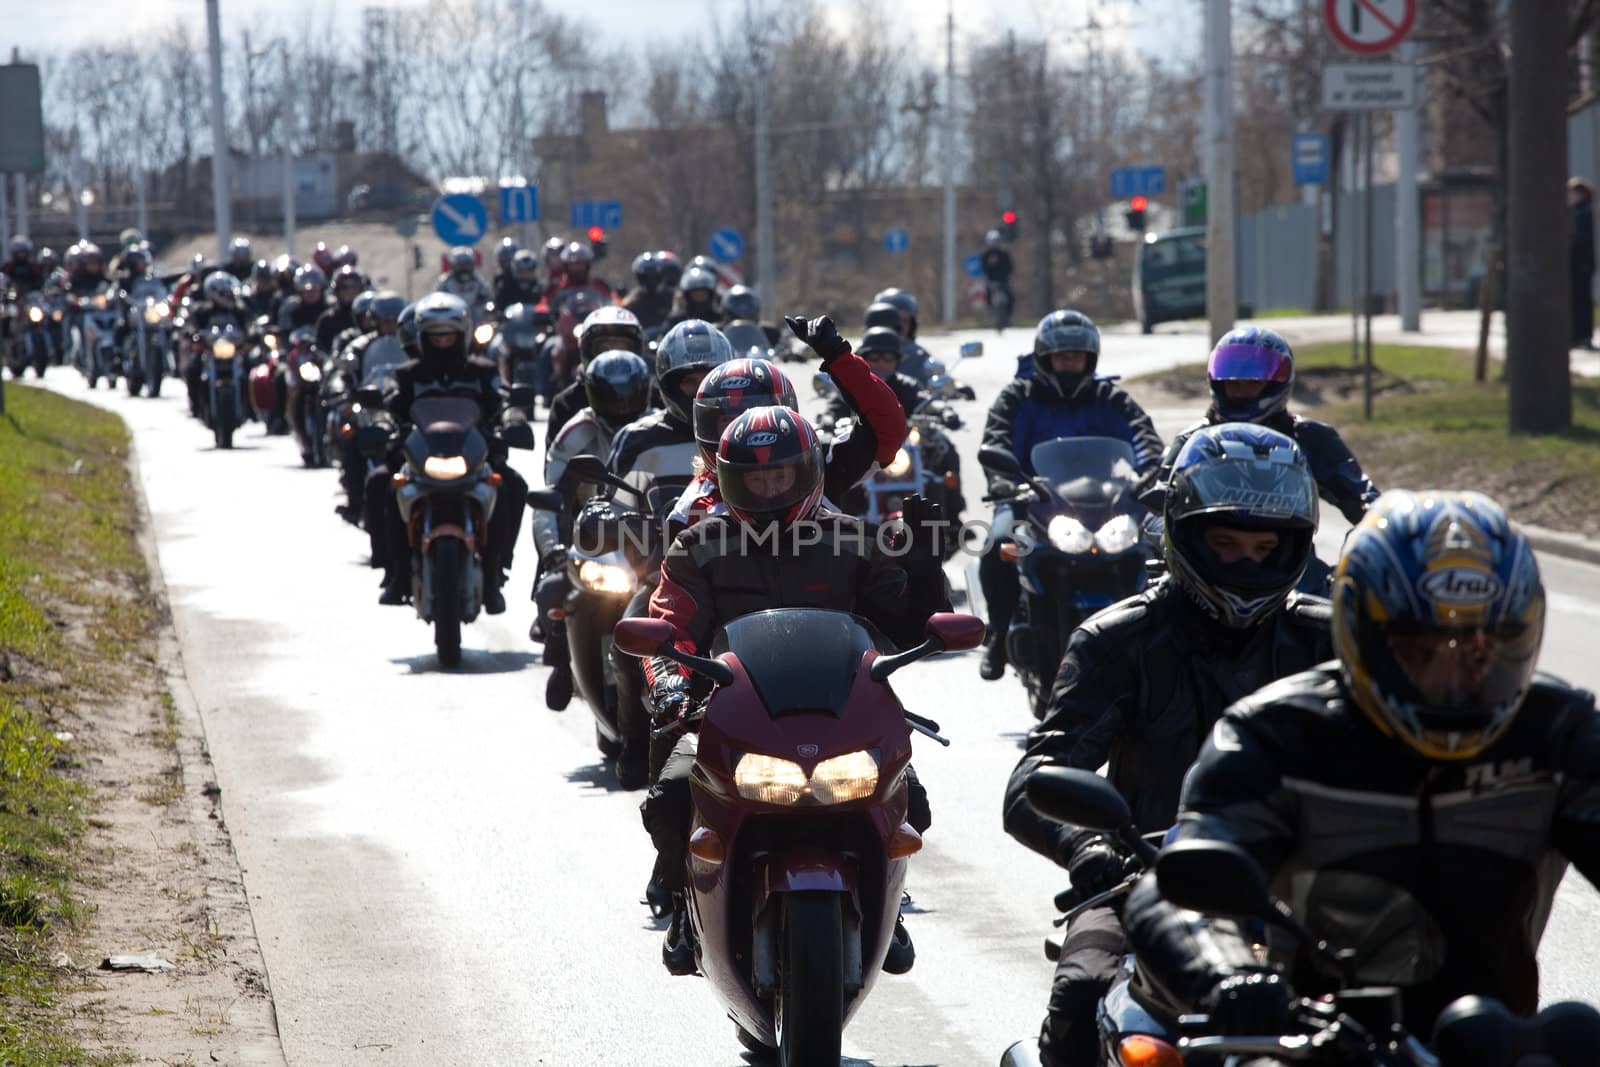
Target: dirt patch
160, 876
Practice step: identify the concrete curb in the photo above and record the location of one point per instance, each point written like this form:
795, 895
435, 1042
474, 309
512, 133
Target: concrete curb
1566, 545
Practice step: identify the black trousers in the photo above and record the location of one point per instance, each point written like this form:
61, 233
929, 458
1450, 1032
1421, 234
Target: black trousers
668, 811
392, 550
1089, 961
1582, 307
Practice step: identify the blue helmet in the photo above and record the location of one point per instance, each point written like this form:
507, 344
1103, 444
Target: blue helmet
1438, 615
1251, 354
1248, 478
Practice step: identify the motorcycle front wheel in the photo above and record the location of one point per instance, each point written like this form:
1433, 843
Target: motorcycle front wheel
811, 997
446, 595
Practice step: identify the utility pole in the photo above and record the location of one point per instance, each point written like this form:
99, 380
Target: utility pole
948, 140
220, 178
1407, 247
5, 208
21, 192
288, 152
1221, 289
766, 259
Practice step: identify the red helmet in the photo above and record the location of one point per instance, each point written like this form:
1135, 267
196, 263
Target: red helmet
323, 257
769, 467
731, 389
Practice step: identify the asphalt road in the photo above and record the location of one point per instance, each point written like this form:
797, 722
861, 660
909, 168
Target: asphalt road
439, 868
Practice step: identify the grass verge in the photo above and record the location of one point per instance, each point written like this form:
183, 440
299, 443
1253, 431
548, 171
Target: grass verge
1434, 427
68, 556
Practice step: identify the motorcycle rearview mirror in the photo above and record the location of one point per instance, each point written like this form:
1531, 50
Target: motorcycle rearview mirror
971, 349
592, 469
1216, 878
517, 435
544, 499
368, 397
654, 637
522, 396
995, 458
946, 631
1078, 797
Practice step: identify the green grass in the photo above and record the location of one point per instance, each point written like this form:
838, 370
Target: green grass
1280, 313
66, 547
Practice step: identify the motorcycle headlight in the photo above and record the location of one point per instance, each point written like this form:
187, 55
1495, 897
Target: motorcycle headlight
599, 577
445, 468
914, 436
484, 333
310, 373
1069, 535
899, 465
1117, 536
772, 780
35, 315
223, 349
152, 314
56, 314
271, 341
100, 302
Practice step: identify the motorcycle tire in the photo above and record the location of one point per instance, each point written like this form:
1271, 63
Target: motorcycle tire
38, 369
608, 748
446, 563
155, 387
753, 1044
135, 384
810, 1013
222, 421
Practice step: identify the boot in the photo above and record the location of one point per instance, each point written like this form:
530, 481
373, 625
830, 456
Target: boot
394, 590
558, 689
902, 953
633, 768
677, 950
494, 601
993, 664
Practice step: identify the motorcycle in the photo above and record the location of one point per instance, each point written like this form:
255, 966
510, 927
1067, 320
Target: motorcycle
798, 854
358, 430
303, 377
1357, 1025
1000, 306
446, 492
1077, 544
940, 379
224, 381
262, 371
148, 336
30, 336
98, 355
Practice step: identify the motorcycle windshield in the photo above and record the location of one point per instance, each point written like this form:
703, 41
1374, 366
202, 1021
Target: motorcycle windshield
381, 357
744, 336
444, 411
663, 494
1084, 470
798, 659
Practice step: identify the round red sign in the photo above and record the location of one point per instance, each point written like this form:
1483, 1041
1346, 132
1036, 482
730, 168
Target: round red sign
1369, 27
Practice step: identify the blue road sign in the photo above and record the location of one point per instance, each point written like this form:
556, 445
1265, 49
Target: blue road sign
896, 240
1138, 181
973, 265
726, 245
460, 219
1309, 153
607, 214
519, 203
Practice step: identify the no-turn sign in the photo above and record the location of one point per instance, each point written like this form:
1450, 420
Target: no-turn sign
1370, 27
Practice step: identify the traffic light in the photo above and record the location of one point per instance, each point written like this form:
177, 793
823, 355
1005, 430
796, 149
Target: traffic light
1100, 246
1135, 213
1008, 225
597, 241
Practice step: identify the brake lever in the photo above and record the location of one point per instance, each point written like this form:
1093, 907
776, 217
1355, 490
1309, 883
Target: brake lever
925, 726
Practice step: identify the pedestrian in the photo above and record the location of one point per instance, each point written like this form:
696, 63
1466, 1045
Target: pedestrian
1580, 260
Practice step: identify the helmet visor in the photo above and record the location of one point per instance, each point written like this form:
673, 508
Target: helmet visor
1462, 675
770, 487
1250, 363
713, 413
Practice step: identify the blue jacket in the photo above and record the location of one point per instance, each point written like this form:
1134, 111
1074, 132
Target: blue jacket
1031, 410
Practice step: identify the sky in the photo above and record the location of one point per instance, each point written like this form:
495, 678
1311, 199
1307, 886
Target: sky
1149, 27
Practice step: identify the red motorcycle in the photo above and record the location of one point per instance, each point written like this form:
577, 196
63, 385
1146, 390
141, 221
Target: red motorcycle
799, 843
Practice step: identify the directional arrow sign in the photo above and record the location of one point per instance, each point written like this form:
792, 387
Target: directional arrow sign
460, 219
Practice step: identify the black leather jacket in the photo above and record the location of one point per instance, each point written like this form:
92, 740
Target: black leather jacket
472, 379
1440, 875
1140, 685
1340, 479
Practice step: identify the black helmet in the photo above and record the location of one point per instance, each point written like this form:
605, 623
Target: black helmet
1065, 331
21, 248
310, 277
647, 271
525, 267
361, 308
462, 261
882, 314
731, 389
520, 329
1243, 477
879, 339
222, 289
444, 329
406, 331
262, 273
505, 252
697, 277
906, 304
387, 306
691, 347
742, 303
671, 268
769, 467
609, 323
240, 251
617, 384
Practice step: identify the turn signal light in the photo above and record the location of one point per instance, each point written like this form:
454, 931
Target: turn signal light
1008, 552
346, 431
905, 842
494, 479
1142, 1050
704, 844
951, 480
398, 479
556, 613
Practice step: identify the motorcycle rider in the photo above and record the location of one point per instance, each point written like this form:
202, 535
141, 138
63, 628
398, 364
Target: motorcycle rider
996, 266
651, 299
1417, 799
24, 271
1239, 524
504, 253
516, 345
444, 334
241, 259
816, 558
1251, 375
1064, 398
671, 269
340, 316
697, 297
89, 273
384, 313
463, 280
559, 359
604, 329
519, 282
577, 263
554, 272
261, 297
880, 347
308, 303
915, 363
220, 300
